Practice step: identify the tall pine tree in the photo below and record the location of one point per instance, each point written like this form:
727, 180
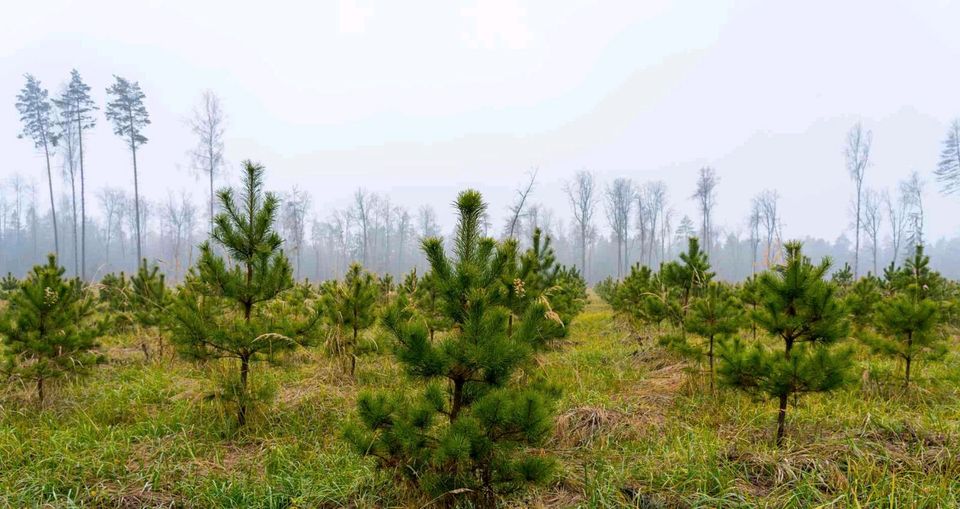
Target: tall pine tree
36, 113
129, 116
77, 107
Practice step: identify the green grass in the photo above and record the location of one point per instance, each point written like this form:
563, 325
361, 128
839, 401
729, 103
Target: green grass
635, 429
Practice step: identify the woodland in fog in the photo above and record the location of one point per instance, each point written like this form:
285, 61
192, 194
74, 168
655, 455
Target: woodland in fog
607, 227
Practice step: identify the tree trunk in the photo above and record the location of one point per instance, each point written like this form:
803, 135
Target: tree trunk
781, 418
73, 194
619, 258
53, 208
242, 403
908, 358
711, 363
583, 249
106, 248
457, 399
353, 348
211, 199
40, 390
83, 207
856, 252
136, 198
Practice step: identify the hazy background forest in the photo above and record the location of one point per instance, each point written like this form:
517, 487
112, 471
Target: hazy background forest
860, 170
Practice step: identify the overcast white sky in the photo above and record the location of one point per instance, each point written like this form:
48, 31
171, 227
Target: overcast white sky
420, 99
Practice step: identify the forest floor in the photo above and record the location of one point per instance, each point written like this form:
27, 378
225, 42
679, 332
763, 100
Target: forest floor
636, 427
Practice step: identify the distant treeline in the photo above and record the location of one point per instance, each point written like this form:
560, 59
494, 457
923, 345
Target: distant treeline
608, 227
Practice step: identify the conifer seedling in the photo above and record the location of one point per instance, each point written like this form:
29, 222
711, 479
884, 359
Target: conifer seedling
236, 310
801, 310
464, 434
350, 306
908, 322
715, 316
50, 328
149, 301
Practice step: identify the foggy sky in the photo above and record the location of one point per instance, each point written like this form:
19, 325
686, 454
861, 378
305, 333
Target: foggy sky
420, 99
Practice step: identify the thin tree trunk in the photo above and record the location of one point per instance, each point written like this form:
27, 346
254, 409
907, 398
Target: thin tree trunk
53, 208
353, 348
711, 364
211, 198
782, 408
242, 404
908, 358
83, 206
457, 399
40, 389
583, 249
136, 199
619, 258
856, 252
107, 246
76, 254
781, 418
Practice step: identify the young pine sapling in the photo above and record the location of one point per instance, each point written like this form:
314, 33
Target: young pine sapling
50, 328
467, 430
237, 310
801, 309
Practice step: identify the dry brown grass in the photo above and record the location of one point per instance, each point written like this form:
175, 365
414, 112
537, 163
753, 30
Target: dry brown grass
579, 427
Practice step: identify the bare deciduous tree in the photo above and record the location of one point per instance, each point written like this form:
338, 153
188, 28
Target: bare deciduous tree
403, 234
361, 214
651, 201
427, 225
583, 201
912, 192
516, 209
619, 202
112, 202
340, 231
296, 204
756, 213
872, 221
769, 219
897, 218
706, 196
857, 154
208, 124
180, 216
